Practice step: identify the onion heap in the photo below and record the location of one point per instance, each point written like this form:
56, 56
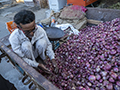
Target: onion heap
90, 60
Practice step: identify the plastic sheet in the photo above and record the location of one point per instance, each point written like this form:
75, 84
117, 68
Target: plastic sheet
65, 26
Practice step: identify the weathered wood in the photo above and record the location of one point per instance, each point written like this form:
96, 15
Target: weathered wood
5, 40
102, 14
36, 76
1, 56
91, 21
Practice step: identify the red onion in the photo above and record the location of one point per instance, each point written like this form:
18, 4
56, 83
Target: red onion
103, 73
105, 82
115, 69
111, 80
118, 49
98, 77
89, 84
79, 88
114, 75
116, 87
78, 83
107, 66
92, 78
87, 64
118, 77
118, 83
109, 86
102, 88
98, 69
113, 52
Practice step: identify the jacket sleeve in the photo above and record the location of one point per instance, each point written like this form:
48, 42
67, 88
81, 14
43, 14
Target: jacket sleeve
31, 62
14, 41
49, 50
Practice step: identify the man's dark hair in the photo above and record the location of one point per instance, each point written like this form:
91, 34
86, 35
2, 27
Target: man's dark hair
24, 17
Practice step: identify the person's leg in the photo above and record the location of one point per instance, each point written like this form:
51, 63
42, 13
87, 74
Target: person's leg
41, 46
27, 49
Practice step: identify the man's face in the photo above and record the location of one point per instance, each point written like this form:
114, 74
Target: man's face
29, 28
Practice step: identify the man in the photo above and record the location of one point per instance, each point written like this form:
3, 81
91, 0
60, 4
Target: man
30, 40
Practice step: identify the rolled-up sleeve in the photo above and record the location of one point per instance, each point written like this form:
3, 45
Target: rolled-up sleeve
49, 50
31, 62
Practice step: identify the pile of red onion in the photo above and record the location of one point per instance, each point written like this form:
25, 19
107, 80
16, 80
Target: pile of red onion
90, 60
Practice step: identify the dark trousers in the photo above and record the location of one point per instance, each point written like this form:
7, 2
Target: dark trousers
6, 85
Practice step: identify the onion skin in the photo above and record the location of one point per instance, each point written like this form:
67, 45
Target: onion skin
111, 80
116, 87
102, 88
118, 83
118, 77
113, 52
92, 78
107, 67
98, 77
105, 82
103, 73
114, 75
109, 86
89, 84
115, 69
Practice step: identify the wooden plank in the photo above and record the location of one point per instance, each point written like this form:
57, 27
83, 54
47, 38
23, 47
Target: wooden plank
91, 21
30, 71
102, 14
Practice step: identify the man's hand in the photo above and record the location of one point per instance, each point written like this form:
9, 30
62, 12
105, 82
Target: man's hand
55, 65
54, 62
42, 67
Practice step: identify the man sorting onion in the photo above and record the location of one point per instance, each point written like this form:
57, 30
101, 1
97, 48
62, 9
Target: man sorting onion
30, 41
